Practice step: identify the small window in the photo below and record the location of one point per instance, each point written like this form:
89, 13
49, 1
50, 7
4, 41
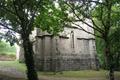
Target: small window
72, 40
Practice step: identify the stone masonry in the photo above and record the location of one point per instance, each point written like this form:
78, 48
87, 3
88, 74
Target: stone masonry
73, 49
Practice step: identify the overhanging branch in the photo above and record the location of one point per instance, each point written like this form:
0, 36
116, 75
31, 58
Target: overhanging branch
97, 29
5, 26
81, 28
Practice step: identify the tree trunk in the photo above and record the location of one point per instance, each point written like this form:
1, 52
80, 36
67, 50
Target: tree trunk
29, 60
111, 73
108, 60
107, 52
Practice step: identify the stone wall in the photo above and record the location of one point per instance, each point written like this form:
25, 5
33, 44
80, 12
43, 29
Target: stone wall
73, 49
67, 62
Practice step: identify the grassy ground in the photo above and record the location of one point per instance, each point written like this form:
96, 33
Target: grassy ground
72, 74
6, 49
81, 74
16, 64
78, 74
7, 52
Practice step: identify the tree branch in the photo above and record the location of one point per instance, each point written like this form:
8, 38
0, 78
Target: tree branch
15, 8
81, 28
101, 30
24, 2
97, 29
5, 26
7, 10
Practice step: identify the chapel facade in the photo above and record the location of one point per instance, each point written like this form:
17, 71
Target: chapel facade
73, 49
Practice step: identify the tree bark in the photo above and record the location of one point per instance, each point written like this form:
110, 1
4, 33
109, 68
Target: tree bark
111, 73
29, 60
108, 60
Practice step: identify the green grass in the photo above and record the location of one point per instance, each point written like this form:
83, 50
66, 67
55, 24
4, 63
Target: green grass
16, 64
72, 74
78, 74
87, 74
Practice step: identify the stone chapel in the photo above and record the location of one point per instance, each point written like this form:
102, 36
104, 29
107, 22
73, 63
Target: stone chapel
73, 49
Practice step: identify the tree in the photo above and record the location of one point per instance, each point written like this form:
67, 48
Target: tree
21, 16
103, 17
18, 16
115, 48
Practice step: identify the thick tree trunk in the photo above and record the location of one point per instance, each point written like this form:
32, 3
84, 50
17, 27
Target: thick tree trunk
108, 60
29, 60
107, 52
111, 73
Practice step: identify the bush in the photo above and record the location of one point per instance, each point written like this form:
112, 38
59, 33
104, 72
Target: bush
6, 49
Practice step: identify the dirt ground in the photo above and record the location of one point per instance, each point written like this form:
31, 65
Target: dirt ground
7, 57
2, 77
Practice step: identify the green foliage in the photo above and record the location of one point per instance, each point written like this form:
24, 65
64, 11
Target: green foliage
100, 46
104, 15
16, 14
115, 48
51, 18
114, 36
5, 48
110, 26
100, 17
